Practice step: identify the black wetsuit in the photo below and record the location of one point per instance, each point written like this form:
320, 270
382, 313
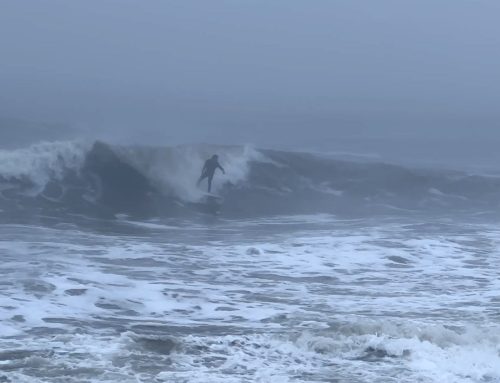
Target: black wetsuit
208, 171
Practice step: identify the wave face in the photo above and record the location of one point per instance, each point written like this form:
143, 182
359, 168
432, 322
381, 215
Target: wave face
101, 179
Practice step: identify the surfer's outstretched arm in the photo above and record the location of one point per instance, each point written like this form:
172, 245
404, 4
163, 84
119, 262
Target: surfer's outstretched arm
221, 168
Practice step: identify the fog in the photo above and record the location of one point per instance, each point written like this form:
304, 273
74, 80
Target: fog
415, 80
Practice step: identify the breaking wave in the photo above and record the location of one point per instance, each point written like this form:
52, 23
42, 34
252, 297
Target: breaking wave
102, 179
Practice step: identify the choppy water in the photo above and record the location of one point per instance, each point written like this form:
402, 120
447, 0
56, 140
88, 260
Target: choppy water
290, 299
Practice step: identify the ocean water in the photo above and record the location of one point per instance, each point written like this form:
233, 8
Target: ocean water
311, 270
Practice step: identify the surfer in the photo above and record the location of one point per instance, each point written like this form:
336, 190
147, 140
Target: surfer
209, 169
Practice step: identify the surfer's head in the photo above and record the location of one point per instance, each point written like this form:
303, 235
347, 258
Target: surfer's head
215, 157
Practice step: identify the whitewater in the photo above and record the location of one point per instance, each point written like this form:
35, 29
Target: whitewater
313, 269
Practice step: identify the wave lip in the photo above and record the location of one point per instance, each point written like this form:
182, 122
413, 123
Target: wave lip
41, 163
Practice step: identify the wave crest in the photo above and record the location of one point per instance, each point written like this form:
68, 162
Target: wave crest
40, 163
151, 181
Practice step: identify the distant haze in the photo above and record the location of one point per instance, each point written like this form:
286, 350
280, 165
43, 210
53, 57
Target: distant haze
403, 80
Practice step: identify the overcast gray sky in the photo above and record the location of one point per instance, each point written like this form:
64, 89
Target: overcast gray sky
304, 74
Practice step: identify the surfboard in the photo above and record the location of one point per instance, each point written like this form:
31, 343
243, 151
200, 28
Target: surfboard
210, 203
212, 196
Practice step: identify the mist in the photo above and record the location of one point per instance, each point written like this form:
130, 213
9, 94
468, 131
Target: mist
413, 81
